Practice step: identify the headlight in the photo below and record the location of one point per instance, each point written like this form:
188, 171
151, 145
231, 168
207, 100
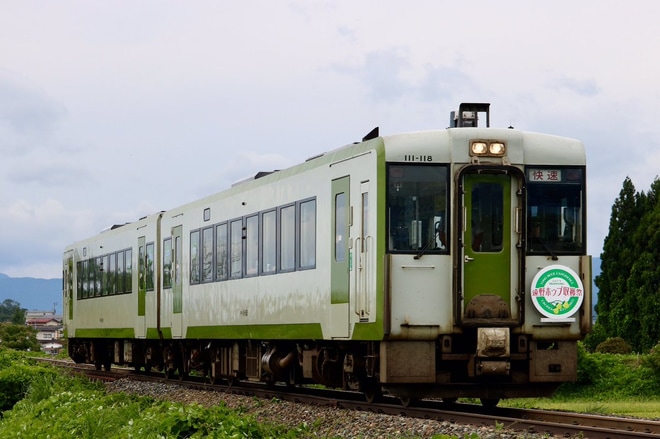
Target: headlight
487, 148
496, 148
479, 148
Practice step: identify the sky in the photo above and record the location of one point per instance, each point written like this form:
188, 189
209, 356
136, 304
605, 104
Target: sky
112, 110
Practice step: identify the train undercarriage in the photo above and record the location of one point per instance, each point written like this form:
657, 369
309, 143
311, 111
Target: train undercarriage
451, 367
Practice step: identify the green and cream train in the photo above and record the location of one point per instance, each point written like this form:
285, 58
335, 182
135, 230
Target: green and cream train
447, 263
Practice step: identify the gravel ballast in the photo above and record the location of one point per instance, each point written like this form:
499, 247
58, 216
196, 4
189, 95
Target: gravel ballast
323, 421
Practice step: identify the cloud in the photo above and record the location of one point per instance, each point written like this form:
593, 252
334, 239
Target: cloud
35, 235
28, 116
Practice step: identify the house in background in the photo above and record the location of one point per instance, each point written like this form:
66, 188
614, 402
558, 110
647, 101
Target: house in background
49, 329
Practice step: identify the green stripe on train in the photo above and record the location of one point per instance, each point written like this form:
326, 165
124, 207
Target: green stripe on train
303, 331
105, 333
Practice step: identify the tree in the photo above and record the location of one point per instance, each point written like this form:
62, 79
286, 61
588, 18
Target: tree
11, 311
617, 260
629, 283
18, 337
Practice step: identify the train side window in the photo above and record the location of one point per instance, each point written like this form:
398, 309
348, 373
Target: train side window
287, 238
121, 266
112, 273
84, 279
236, 248
307, 212
167, 263
252, 245
207, 254
150, 266
269, 242
221, 252
97, 277
105, 272
194, 257
128, 271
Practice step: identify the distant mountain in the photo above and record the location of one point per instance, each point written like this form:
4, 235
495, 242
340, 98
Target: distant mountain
32, 293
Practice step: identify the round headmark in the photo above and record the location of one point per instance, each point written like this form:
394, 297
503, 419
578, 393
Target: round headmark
557, 292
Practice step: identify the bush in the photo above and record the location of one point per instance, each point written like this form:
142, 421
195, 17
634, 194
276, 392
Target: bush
614, 345
17, 372
652, 360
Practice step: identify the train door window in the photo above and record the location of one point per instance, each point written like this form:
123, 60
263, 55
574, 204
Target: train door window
340, 227
112, 273
287, 238
177, 252
365, 218
268, 242
167, 263
141, 269
149, 261
221, 255
194, 257
252, 245
128, 271
487, 217
307, 212
417, 211
121, 271
207, 254
79, 277
555, 210
236, 247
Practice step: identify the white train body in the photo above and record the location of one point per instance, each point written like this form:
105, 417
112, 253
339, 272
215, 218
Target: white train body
449, 262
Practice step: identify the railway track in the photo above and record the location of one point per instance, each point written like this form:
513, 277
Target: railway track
560, 424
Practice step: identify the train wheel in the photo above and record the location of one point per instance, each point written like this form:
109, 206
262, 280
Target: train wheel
489, 402
372, 391
407, 401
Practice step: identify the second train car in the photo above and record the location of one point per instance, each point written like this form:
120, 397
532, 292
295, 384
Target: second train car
447, 263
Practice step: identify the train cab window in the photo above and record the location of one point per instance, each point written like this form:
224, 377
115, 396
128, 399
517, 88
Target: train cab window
555, 210
236, 248
268, 242
307, 212
417, 208
221, 254
149, 261
194, 257
167, 263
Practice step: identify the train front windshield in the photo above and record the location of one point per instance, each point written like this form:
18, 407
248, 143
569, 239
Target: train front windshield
555, 210
417, 208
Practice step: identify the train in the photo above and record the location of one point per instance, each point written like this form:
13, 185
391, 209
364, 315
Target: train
447, 263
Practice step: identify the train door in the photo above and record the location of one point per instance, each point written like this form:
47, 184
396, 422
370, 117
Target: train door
141, 329
363, 249
67, 286
177, 281
341, 257
487, 248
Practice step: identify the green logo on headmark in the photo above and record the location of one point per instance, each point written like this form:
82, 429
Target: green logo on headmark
557, 292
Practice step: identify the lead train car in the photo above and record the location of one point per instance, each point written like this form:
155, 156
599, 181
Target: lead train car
448, 263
